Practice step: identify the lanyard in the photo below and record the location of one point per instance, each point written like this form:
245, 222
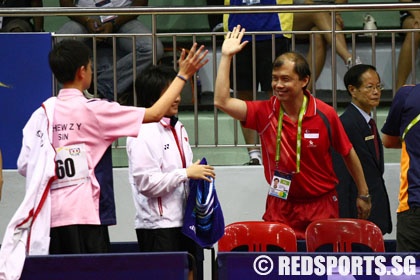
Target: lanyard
410, 125
299, 133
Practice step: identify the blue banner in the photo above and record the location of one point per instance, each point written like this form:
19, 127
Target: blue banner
25, 82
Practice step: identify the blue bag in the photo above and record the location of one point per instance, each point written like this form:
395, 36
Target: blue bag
203, 219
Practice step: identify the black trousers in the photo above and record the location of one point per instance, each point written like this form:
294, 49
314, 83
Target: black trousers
170, 240
79, 239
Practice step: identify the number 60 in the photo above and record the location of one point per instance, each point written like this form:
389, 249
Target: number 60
65, 169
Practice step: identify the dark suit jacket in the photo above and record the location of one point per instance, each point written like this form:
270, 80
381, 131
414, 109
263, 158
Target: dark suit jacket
358, 132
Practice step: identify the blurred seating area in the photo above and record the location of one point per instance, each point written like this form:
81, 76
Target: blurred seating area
208, 128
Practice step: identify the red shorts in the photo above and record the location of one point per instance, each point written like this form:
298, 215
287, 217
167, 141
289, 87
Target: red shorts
299, 215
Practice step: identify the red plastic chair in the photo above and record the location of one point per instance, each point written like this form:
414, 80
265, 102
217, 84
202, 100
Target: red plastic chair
257, 236
342, 233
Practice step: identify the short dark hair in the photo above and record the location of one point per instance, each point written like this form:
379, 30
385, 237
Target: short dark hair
151, 82
66, 57
354, 75
301, 65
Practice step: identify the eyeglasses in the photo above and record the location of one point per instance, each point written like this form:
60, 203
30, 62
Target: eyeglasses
370, 88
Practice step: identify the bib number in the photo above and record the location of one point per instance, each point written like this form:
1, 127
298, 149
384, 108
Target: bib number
71, 166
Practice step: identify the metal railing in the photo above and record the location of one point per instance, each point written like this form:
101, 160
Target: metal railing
212, 41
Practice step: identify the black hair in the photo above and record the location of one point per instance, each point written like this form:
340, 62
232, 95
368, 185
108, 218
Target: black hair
66, 57
354, 75
151, 82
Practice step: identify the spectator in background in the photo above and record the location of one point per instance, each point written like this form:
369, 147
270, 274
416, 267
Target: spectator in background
21, 24
297, 134
321, 21
215, 20
363, 84
408, 20
402, 131
160, 166
123, 24
264, 56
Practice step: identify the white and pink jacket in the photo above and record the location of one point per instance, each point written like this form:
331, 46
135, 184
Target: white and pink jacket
29, 229
158, 158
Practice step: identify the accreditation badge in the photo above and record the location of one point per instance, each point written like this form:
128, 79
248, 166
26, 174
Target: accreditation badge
280, 184
251, 2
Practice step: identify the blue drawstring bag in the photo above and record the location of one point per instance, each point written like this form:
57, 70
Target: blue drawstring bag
203, 219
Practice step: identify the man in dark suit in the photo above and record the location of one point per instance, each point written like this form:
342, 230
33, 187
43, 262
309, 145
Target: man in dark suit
363, 84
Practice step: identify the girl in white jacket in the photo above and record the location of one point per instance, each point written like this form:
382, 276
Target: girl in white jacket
160, 164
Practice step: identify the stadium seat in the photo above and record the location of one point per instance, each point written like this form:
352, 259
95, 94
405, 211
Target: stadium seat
258, 236
342, 233
387, 19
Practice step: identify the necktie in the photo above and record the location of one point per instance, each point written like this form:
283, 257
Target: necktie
376, 137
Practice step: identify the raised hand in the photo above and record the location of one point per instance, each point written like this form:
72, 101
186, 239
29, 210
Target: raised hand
193, 61
232, 43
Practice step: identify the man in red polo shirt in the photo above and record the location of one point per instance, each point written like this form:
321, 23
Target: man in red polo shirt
297, 134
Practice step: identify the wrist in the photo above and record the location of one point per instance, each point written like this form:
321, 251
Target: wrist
182, 77
364, 197
114, 25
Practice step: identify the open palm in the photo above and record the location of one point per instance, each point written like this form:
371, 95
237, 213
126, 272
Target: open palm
232, 43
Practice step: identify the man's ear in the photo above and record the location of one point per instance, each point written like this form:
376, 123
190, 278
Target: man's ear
307, 79
351, 89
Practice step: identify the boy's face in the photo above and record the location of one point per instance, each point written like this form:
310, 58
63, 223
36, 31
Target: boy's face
88, 75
